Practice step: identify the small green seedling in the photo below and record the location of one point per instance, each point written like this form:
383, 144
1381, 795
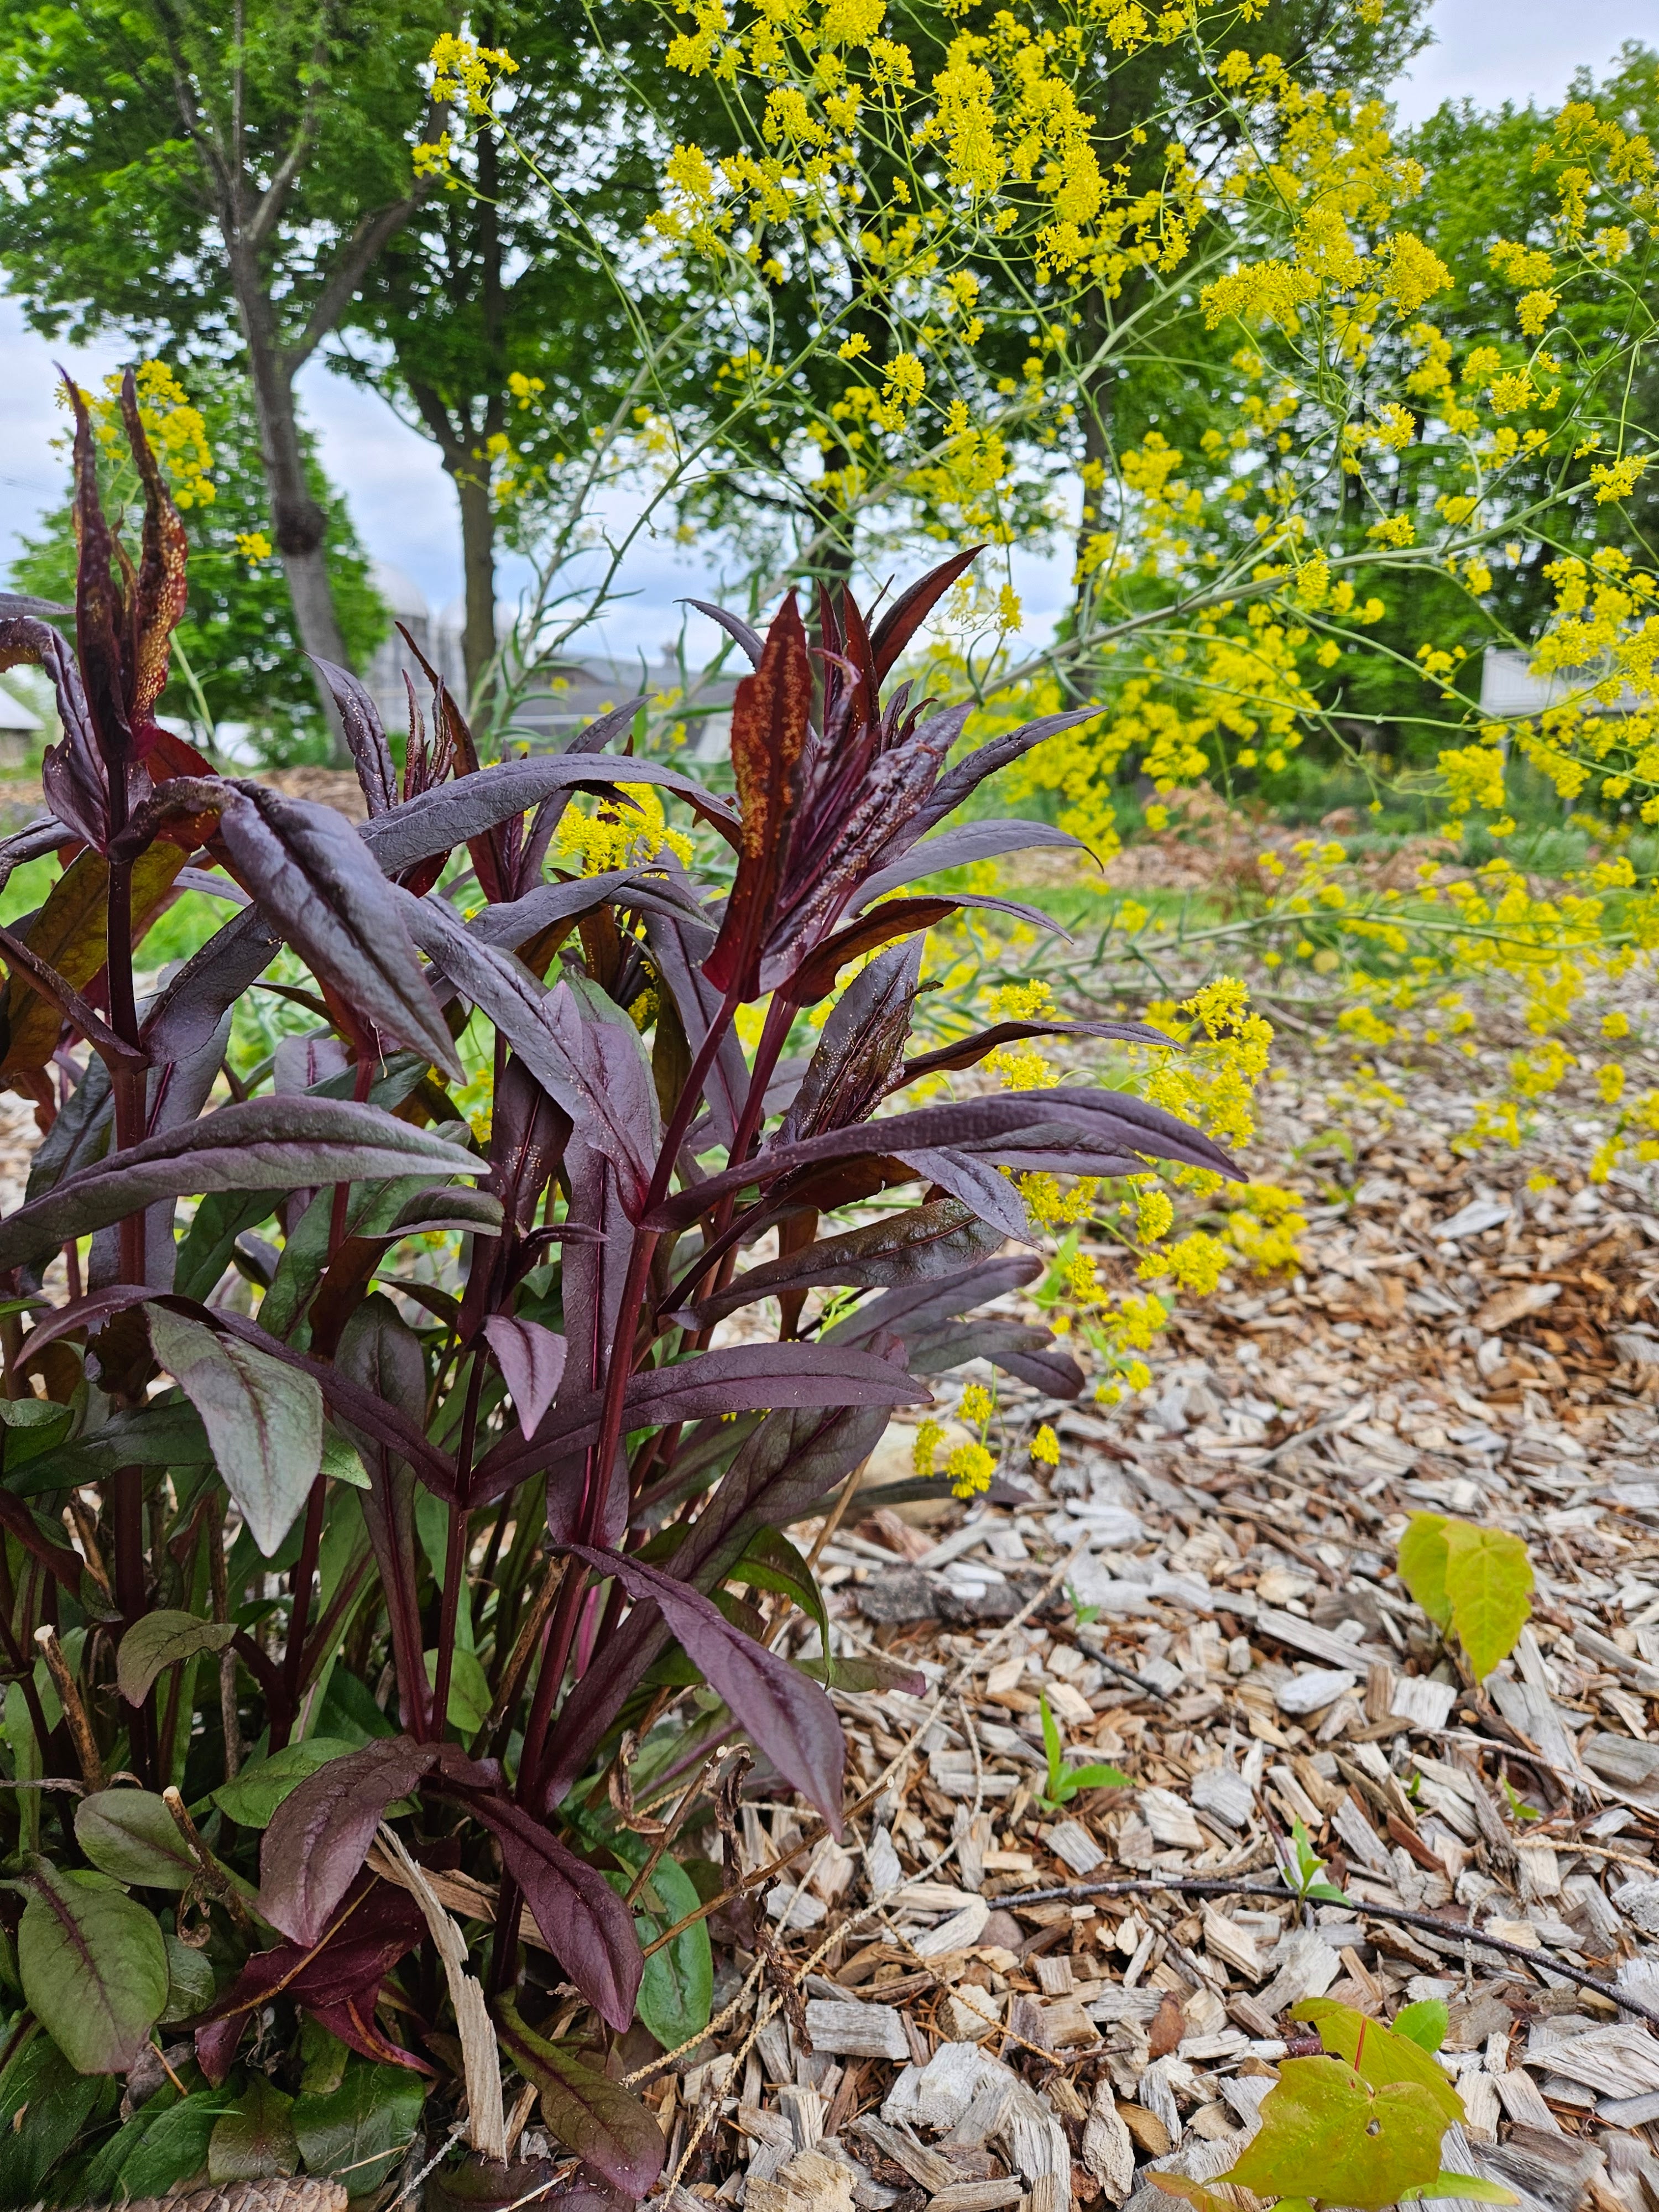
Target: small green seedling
1362, 2124
1519, 1808
1083, 1615
1307, 1879
1475, 1582
1065, 1782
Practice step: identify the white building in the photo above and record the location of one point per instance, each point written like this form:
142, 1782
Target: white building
565, 700
438, 637
21, 731
1508, 687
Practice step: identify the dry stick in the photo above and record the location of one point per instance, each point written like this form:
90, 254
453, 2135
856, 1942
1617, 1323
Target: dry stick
670, 1830
837, 1511
86, 1527
517, 1662
211, 1874
1189, 1885
75, 1713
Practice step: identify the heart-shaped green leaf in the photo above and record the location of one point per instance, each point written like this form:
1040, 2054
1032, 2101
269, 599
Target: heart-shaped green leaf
1488, 1588
1326, 2131
1378, 2056
130, 1835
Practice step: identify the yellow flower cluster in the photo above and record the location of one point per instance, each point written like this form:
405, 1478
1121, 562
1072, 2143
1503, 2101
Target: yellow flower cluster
619, 835
466, 78
175, 428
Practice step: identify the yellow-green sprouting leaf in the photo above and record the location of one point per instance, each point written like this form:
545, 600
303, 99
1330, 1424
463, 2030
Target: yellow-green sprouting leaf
1325, 2132
1376, 2053
1422, 1564
1425, 2022
1488, 1582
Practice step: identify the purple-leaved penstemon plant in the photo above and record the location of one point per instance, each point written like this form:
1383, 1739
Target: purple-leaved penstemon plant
456, 1557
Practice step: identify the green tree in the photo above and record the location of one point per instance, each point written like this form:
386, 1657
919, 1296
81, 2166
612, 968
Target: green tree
201, 176
236, 656
493, 320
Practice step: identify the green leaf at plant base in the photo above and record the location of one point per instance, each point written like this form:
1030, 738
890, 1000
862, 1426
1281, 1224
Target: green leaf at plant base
772, 1563
1424, 2022
677, 1992
469, 1689
1376, 2055
158, 1642
191, 1982
172, 2147
342, 1462
1422, 1564
255, 2139
251, 1797
95, 1967
1324, 2131
44, 2105
1489, 1584
360, 2129
130, 1835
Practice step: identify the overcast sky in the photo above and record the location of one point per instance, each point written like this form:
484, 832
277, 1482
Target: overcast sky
1488, 51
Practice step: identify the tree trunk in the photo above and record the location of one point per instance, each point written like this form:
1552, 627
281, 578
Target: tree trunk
478, 563
298, 522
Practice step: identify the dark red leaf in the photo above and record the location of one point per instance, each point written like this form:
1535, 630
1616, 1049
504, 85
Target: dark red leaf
922, 1305
588, 1927
786, 1716
678, 949
158, 589
735, 1379
338, 1979
191, 1006
371, 755
967, 1051
770, 723
453, 813
959, 849
98, 610
783, 1469
959, 784
309, 874
735, 627
607, 2127
264, 1144
990, 1125
320, 1835
532, 1360
912, 608
816, 976
916, 1245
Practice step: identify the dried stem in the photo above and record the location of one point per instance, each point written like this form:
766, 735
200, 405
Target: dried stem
75, 1713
